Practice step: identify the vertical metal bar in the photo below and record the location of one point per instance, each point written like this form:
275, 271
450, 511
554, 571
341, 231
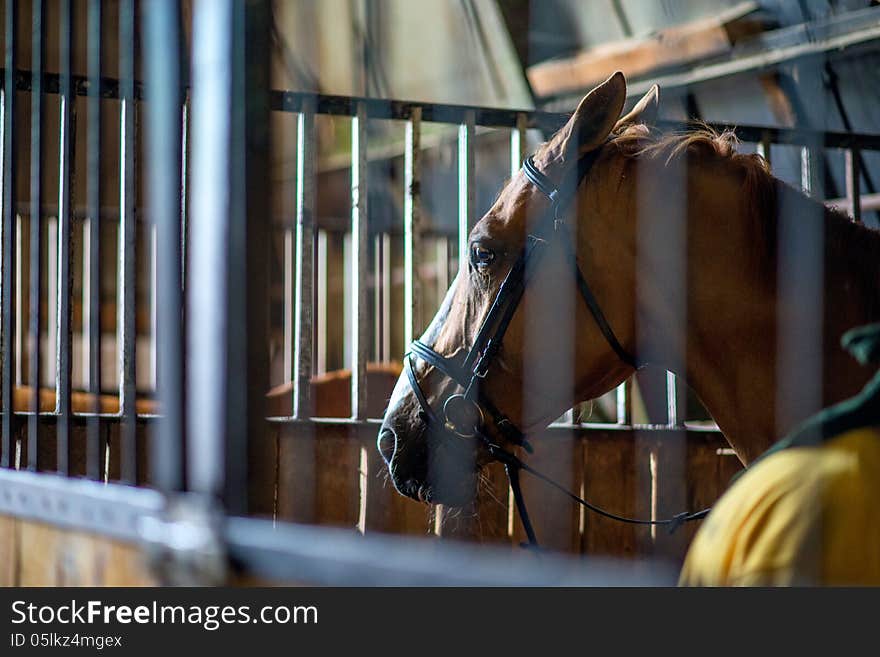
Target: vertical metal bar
321, 300
184, 178
250, 457
49, 364
466, 187
94, 448
84, 302
800, 274
763, 147
377, 296
289, 272
126, 287
382, 296
385, 353
8, 262
305, 235
36, 226
154, 304
854, 183
412, 228
359, 231
206, 392
227, 373
21, 350
810, 165
624, 402
161, 34
442, 283
675, 401
518, 143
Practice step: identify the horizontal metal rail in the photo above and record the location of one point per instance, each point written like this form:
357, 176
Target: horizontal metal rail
110, 510
337, 557
486, 117
289, 552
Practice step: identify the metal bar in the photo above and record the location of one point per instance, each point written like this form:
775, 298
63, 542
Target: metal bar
624, 402
154, 304
490, 117
7, 324
853, 183
676, 401
289, 552
288, 266
49, 365
161, 35
764, 147
811, 161
21, 350
107, 510
184, 181
305, 227
413, 250
36, 227
360, 270
466, 188
227, 374
384, 354
321, 277
94, 448
249, 454
8, 262
518, 143
127, 273
210, 218
84, 302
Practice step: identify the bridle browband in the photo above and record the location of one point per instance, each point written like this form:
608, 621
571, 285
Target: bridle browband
465, 414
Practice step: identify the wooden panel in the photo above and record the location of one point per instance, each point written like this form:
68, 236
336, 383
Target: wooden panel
617, 479
8, 551
493, 505
125, 565
555, 517
40, 550
37, 554
667, 454
337, 480
296, 473
710, 467
262, 474
385, 509
79, 564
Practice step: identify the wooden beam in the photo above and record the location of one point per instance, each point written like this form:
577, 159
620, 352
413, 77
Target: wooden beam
675, 45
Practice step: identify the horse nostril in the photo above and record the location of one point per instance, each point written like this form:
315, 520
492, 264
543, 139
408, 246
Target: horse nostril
385, 443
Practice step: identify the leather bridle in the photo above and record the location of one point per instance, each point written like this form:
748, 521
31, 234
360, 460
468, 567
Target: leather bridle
465, 414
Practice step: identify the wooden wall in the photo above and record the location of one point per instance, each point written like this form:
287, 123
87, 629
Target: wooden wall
36, 554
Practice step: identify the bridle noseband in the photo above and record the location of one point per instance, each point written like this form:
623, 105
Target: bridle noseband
465, 414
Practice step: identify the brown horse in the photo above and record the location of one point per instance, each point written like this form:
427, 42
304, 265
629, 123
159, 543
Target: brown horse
683, 242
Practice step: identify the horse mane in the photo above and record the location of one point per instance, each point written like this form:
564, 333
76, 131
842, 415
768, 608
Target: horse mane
845, 240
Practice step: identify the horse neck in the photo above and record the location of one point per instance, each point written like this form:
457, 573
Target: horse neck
764, 321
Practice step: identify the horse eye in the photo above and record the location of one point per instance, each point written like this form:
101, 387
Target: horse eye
481, 257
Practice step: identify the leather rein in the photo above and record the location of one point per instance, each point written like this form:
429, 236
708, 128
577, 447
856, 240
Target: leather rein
465, 414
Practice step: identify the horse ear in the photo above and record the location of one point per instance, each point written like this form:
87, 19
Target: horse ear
645, 111
594, 118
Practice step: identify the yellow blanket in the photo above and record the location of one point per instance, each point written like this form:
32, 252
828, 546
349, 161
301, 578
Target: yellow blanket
802, 516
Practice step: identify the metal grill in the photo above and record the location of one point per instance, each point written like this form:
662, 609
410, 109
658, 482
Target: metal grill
201, 223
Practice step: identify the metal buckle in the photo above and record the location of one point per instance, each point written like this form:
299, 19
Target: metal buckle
459, 410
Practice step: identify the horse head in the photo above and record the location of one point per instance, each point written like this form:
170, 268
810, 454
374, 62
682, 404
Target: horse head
551, 352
